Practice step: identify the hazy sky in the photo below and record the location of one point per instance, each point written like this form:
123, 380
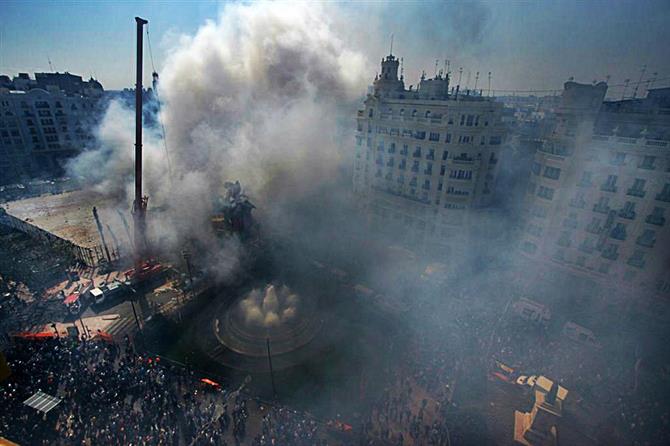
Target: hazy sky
526, 45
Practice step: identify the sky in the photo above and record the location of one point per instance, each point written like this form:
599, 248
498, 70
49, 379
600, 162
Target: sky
525, 45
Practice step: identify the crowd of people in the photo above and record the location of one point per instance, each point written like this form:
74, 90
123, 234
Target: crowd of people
112, 395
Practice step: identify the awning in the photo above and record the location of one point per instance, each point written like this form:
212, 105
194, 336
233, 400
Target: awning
42, 402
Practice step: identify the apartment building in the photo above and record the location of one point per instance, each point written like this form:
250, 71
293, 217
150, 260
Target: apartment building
598, 200
44, 121
425, 157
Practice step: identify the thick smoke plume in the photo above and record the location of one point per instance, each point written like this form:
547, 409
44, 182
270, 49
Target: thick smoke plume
255, 96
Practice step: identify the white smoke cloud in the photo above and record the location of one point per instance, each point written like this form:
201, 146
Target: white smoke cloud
269, 308
254, 96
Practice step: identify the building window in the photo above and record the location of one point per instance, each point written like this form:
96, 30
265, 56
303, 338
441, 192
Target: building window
443, 169
618, 159
610, 184
495, 140
647, 239
535, 168
529, 247
619, 232
447, 138
552, 172
647, 163
417, 152
545, 192
434, 136
587, 179
656, 217
431, 154
371, 113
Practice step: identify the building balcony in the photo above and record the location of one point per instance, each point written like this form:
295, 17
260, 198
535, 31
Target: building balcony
579, 204
563, 241
636, 193
646, 242
663, 197
638, 263
601, 209
588, 249
608, 188
462, 160
618, 235
594, 229
655, 220
630, 215
611, 255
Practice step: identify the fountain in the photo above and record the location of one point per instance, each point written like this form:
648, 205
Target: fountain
274, 313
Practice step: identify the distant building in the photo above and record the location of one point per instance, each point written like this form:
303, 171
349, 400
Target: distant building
598, 200
425, 157
44, 121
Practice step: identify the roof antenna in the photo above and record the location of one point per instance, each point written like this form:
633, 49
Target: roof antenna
625, 87
437, 62
650, 82
391, 52
489, 92
639, 81
476, 80
51, 67
460, 75
402, 68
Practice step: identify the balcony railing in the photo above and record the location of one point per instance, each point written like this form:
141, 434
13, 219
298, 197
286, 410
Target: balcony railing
611, 255
618, 234
594, 229
462, 160
636, 192
655, 220
629, 141
601, 208
645, 241
638, 263
630, 215
586, 248
579, 204
663, 197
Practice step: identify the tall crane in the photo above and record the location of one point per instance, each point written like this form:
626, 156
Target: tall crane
140, 203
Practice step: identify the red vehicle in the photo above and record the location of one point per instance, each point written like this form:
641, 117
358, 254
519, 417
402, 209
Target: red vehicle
73, 303
148, 274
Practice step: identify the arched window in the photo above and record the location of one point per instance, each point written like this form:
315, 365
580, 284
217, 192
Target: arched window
371, 113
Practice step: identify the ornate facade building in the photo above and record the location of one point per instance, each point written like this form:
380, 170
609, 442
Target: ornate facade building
426, 157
